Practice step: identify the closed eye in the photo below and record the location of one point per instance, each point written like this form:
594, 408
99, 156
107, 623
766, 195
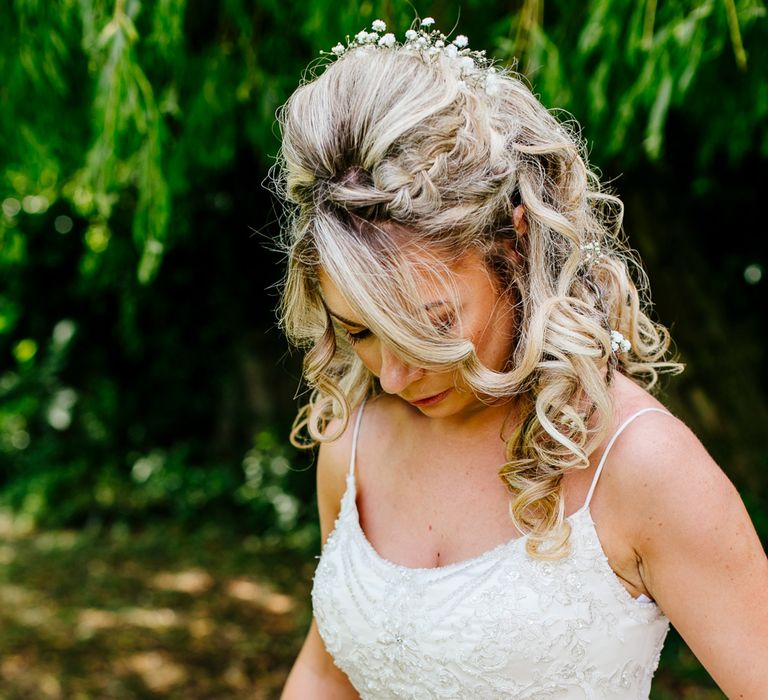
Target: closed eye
358, 336
445, 324
442, 325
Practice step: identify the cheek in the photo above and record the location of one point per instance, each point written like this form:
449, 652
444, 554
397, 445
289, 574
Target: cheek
493, 340
370, 356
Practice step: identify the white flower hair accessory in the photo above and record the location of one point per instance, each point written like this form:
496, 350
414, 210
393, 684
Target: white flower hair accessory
473, 67
590, 252
619, 343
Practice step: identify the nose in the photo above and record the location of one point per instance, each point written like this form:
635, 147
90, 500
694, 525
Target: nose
394, 374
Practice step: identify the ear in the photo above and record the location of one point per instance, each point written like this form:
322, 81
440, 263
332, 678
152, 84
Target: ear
512, 249
519, 220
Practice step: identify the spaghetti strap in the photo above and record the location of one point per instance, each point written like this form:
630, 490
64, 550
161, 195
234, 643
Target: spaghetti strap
354, 439
599, 469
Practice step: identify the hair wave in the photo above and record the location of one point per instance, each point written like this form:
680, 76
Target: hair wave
390, 143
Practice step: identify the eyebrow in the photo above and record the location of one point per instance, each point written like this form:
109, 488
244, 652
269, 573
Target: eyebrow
347, 322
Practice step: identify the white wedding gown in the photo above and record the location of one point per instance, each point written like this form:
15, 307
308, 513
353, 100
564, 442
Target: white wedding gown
500, 625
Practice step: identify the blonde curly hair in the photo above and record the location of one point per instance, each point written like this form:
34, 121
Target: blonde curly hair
388, 143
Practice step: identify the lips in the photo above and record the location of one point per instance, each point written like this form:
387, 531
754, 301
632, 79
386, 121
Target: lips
430, 400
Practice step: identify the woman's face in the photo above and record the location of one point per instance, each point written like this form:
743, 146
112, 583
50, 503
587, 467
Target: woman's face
484, 316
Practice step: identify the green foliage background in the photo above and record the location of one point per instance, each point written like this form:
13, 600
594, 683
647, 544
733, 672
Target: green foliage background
141, 375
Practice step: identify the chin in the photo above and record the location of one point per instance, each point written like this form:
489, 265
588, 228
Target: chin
452, 405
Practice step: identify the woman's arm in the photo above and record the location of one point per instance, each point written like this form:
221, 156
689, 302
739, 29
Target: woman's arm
699, 554
314, 675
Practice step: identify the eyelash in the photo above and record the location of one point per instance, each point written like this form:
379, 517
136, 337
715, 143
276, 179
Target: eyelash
355, 338
443, 326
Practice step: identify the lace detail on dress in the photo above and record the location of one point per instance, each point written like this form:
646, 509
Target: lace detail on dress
499, 625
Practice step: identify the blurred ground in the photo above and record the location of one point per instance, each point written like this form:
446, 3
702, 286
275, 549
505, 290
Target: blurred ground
158, 614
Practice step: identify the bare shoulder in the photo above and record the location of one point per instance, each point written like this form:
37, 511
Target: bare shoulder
332, 466
383, 415
660, 470
671, 494
680, 502
678, 507
696, 549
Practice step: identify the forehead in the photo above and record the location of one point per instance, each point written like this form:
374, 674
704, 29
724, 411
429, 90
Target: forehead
470, 281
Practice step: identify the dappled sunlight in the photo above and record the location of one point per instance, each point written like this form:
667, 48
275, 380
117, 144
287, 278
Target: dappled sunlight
90, 621
7, 524
6, 554
58, 540
202, 627
25, 607
192, 581
158, 671
259, 594
15, 669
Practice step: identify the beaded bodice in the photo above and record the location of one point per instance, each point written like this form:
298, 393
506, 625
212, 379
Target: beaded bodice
499, 625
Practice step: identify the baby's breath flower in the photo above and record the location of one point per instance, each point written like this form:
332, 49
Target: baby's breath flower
619, 343
472, 65
466, 63
491, 84
387, 40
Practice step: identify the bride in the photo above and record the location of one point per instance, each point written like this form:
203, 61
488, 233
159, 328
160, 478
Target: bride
507, 510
